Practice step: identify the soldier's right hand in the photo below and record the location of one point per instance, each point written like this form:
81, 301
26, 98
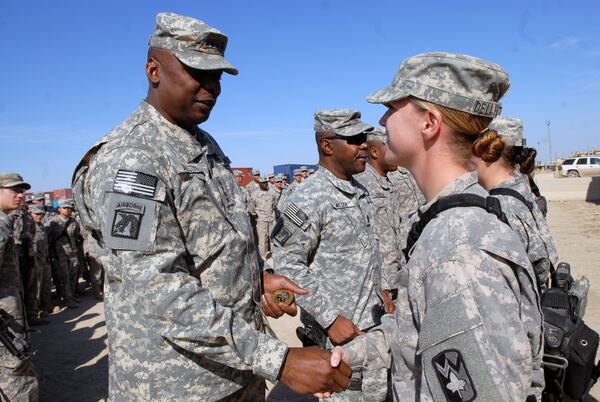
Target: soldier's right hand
308, 371
342, 330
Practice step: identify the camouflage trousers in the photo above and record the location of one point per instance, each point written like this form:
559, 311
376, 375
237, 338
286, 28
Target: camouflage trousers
96, 269
32, 290
263, 231
65, 273
18, 382
45, 286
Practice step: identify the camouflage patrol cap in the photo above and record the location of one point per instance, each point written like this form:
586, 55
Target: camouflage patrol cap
343, 122
10, 180
65, 203
194, 43
509, 128
304, 168
452, 80
38, 196
37, 209
255, 172
270, 175
297, 172
378, 134
263, 179
279, 177
238, 173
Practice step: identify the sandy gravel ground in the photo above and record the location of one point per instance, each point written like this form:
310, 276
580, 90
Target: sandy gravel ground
72, 350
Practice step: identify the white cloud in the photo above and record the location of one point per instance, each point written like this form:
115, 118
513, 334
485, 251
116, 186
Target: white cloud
565, 42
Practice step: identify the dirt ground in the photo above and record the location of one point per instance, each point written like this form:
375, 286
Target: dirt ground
72, 350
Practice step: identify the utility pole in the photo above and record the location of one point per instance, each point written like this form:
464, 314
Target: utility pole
549, 142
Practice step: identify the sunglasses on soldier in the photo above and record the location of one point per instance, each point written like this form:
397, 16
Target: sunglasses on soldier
357, 139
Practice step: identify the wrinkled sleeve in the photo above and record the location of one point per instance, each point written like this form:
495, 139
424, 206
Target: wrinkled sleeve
4, 236
463, 353
155, 278
295, 240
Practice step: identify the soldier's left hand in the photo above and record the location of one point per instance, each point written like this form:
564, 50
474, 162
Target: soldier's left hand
272, 283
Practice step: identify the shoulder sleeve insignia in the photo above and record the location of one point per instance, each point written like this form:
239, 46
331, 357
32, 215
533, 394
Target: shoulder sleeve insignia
280, 233
294, 214
454, 377
131, 222
137, 184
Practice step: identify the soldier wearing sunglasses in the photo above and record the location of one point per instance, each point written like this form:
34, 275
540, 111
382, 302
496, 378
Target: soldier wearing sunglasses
325, 241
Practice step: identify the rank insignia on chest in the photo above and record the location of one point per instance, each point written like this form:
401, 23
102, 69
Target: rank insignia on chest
454, 377
135, 183
127, 220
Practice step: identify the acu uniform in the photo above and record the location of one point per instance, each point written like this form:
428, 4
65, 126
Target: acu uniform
182, 287
262, 209
325, 241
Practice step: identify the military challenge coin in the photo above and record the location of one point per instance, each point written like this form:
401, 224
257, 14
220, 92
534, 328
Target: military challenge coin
283, 296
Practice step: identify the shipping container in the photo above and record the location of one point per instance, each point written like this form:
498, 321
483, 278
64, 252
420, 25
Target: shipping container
247, 174
61, 194
288, 169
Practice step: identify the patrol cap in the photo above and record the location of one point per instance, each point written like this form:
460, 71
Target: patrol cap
263, 179
378, 134
270, 175
343, 122
194, 43
65, 203
509, 128
38, 196
456, 81
255, 172
37, 209
10, 180
297, 172
304, 168
278, 178
311, 170
238, 173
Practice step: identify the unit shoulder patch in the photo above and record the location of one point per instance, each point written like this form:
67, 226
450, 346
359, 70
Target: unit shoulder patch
131, 222
454, 377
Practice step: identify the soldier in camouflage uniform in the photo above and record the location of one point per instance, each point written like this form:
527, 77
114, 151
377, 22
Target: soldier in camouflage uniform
62, 239
17, 380
183, 286
525, 218
43, 280
468, 322
326, 242
239, 175
23, 232
253, 185
262, 210
94, 263
387, 212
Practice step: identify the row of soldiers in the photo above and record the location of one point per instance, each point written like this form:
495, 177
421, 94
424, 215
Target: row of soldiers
40, 248
394, 190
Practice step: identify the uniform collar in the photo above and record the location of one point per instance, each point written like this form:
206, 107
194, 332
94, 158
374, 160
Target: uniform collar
383, 181
188, 145
347, 186
458, 186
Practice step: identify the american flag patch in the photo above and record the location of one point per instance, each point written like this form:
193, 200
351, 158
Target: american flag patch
295, 215
135, 183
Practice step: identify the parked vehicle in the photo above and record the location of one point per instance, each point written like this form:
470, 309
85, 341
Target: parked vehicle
582, 166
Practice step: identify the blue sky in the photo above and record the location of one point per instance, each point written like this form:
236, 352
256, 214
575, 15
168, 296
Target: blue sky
72, 70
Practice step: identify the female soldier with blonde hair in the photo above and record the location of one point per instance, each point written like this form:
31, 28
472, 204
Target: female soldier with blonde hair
468, 323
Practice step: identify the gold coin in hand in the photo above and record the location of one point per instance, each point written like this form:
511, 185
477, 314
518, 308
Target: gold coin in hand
283, 296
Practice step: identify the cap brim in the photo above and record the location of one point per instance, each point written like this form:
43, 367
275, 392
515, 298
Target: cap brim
21, 184
201, 61
387, 95
353, 130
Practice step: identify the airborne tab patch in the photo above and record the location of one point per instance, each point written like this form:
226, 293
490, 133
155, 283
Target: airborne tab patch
135, 183
127, 220
294, 214
453, 376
